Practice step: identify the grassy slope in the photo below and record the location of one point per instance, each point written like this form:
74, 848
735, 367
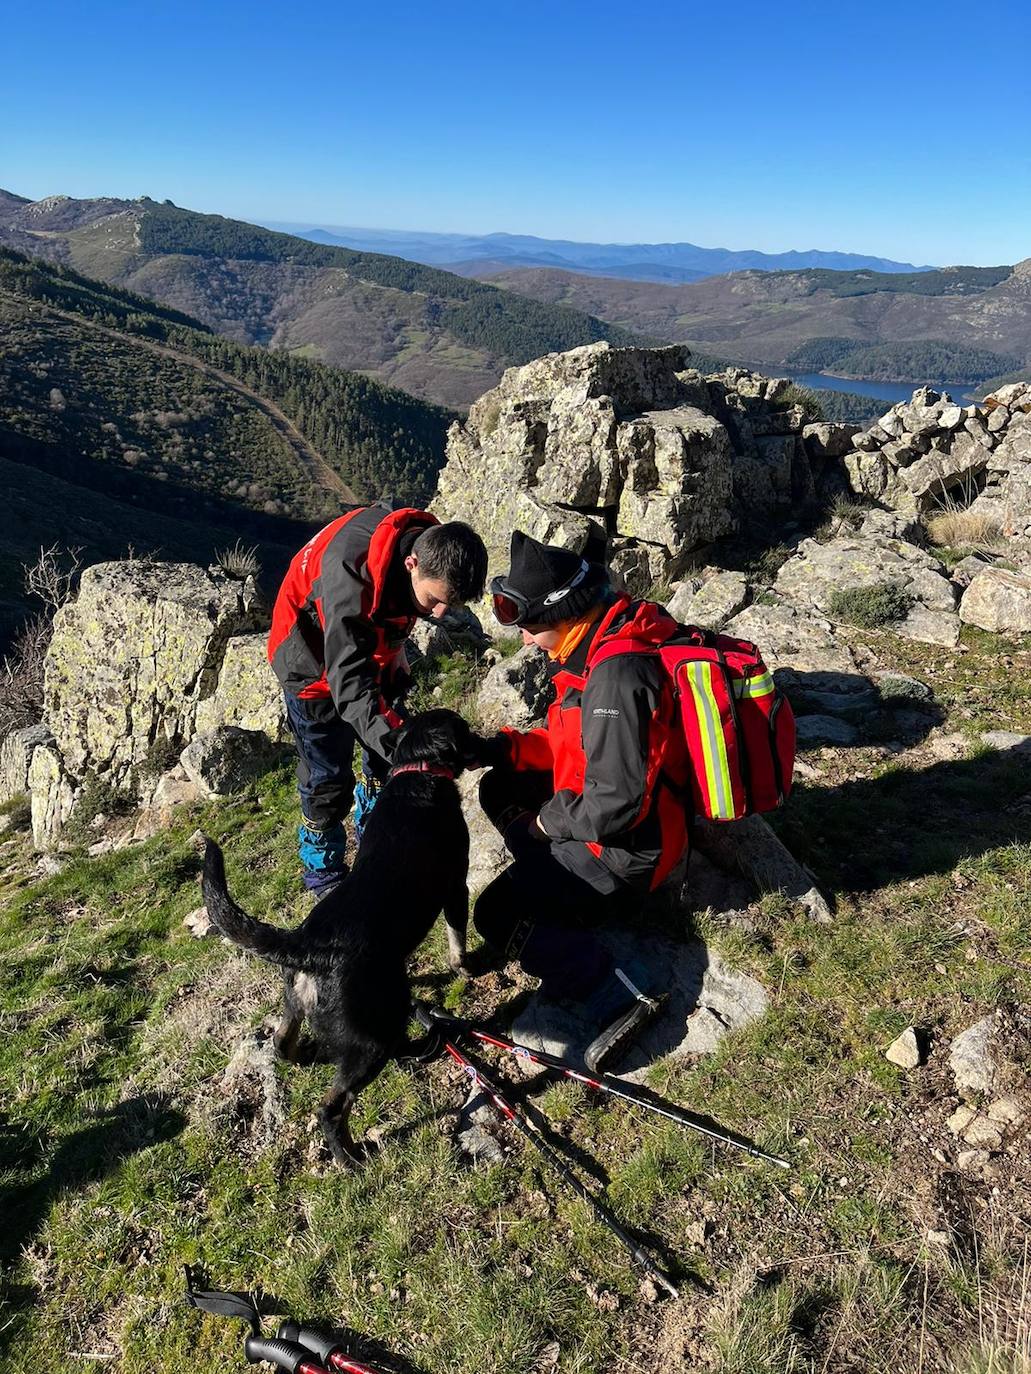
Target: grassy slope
125, 1159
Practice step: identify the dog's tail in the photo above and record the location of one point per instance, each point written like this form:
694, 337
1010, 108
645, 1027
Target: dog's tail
269, 942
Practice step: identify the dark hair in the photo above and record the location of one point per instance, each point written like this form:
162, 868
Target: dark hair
455, 555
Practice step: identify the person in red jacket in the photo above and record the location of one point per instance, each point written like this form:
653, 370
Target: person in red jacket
345, 608
588, 805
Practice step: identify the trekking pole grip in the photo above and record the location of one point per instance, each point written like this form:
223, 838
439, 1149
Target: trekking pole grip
288, 1355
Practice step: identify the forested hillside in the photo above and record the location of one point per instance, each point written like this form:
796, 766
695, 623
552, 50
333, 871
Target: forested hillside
439, 336
957, 324
131, 407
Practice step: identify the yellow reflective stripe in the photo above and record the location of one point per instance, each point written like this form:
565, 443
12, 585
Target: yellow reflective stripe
714, 746
760, 686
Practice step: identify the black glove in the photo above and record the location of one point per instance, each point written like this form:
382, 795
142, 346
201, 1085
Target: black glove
494, 752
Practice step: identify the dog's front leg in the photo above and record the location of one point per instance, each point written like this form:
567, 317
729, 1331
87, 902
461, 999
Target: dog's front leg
334, 1119
456, 918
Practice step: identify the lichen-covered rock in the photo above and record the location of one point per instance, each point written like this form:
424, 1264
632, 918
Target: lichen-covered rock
515, 692
487, 853
457, 628
131, 659
15, 758
824, 440
998, 600
817, 571
247, 693
53, 795
226, 759
714, 603
665, 460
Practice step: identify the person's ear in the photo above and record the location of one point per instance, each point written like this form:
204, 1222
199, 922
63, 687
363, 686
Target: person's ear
412, 562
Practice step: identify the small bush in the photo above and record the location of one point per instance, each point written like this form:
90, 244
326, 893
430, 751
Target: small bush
962, 529
795, 395
871, 607
98, 797
239, 561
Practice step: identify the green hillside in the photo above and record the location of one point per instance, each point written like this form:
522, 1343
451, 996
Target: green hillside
919, 360
158, 434
439, 336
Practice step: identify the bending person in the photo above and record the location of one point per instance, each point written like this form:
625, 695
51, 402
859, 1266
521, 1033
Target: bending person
346, 606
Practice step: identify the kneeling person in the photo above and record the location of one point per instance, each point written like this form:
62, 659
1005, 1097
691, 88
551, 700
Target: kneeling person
587, 805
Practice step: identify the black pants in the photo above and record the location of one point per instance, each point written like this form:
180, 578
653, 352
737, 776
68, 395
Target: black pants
325, 760
539, 910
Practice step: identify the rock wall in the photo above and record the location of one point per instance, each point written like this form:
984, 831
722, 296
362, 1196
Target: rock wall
628, 443
928, 452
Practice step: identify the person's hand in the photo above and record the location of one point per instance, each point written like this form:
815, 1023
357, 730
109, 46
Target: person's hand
494, 752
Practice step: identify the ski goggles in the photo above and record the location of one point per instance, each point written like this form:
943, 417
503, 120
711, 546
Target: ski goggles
512, 608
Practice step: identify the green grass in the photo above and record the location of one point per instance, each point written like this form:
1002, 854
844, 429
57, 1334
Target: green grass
123, 1157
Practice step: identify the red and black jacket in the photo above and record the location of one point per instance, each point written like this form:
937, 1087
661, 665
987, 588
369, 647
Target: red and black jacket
617, 757
343, 614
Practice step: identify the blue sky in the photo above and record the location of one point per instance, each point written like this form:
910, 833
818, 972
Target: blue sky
900, 129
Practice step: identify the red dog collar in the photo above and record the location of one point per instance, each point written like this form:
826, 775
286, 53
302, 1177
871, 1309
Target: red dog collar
433, 768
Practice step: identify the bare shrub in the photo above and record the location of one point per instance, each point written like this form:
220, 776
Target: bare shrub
51, 579
21, 677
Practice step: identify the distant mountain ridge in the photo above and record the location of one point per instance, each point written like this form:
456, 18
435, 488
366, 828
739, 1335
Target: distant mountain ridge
656, 262
764, 318
441, 337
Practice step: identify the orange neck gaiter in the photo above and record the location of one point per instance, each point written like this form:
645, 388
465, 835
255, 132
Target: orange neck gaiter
575, 633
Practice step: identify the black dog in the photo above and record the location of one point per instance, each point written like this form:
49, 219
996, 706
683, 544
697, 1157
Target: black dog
345, 964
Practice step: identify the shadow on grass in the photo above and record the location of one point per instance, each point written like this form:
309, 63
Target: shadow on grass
80, 1158
907, 823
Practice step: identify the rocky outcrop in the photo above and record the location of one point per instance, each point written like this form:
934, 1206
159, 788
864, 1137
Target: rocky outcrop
998, 599
628, 443
927, 452
131, 659
148, 656
246, 693
227, 759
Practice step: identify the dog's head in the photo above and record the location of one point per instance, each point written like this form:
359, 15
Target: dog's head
438, 737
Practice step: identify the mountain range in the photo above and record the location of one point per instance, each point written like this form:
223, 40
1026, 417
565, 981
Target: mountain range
441, 337
476, 254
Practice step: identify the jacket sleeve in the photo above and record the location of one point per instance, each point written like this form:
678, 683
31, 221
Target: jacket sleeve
619, 702
353, 676
529, 749
354, 682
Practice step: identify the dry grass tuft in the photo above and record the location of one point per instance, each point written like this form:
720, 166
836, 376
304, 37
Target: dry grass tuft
958, 529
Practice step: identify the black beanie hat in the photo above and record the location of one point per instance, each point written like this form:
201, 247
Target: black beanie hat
540, 573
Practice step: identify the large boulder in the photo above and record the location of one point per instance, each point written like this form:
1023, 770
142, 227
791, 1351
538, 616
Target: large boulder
516, 691
247, 693
225, 760
628, 442
999, 600
52, 792
132, 658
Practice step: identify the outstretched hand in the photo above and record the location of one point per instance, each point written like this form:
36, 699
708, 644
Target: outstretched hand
484, 752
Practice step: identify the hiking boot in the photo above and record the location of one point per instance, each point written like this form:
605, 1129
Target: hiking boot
323, 855
622, 1009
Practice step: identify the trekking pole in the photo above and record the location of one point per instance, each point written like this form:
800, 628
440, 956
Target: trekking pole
327, 1348
284, 1354
529, 1128
604, 1083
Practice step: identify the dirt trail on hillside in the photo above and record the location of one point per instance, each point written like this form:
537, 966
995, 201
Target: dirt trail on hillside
309, 458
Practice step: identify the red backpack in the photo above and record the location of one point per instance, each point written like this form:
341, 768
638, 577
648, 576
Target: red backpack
738, 726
